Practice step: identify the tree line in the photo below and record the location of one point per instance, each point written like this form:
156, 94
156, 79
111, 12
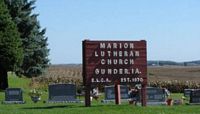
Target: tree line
23, 44
164, 63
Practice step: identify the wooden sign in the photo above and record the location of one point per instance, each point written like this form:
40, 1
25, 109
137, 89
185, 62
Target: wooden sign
110, 61
114, 62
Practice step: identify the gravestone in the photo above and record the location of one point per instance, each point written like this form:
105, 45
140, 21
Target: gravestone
62, 93
110, 93
187, 92
195, 97
13, 95
156, 96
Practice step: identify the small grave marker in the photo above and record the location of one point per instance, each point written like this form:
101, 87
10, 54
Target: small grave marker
195, 97
110, 93
13, 95
156, 96
62, 93
187, 92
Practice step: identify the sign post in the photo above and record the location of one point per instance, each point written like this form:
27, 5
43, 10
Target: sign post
117, 94
108, 62
87, 96
143, 98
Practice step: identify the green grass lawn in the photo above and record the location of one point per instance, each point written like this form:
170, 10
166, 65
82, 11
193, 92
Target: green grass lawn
78, 108
40, 108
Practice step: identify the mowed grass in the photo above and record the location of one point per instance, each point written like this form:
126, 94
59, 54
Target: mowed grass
79, 108
95, 109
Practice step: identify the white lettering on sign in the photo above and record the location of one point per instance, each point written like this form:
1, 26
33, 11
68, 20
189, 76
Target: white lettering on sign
116, 45
117, 53
131, 80
116, 59
120, 71
98, 80
123, 80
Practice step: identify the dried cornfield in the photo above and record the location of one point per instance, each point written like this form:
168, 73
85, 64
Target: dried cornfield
59, 74
175, 78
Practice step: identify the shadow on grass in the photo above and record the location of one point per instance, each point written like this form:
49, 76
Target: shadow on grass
2, 90
46, 107
65, 106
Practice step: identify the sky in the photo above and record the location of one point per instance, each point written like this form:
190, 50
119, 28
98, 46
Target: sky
170, 27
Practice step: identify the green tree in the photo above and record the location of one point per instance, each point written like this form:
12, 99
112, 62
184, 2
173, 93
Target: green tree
11, 52
33, 37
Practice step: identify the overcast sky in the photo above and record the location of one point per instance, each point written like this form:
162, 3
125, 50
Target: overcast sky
170, 27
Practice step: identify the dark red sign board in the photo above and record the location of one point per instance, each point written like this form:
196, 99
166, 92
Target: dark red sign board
108, 62
114, 62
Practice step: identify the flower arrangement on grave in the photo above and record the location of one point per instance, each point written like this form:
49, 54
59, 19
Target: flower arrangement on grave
35, 95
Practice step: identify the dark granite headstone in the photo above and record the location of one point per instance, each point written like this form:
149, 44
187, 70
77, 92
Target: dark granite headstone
62, 93
195, 97
13, 95
156, 95
110, 93
187, 92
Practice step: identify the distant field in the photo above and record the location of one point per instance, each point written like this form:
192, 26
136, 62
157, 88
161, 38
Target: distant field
180, 73
163, 73
164, 76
